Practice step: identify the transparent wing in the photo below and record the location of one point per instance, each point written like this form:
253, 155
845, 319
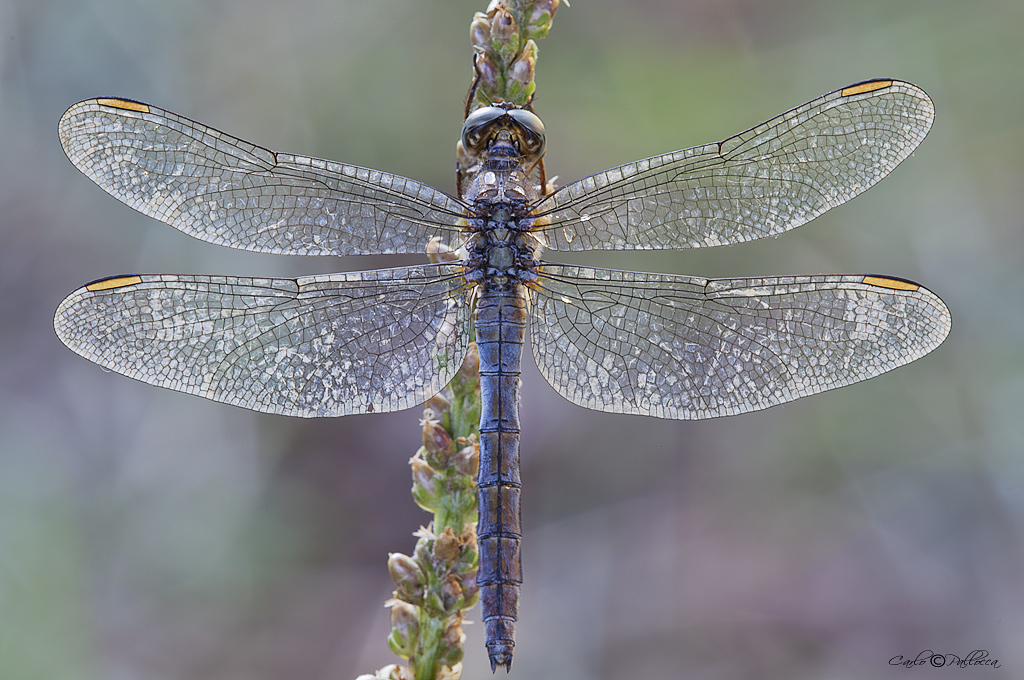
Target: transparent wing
762, 182
689, 348
227, 191
330, 345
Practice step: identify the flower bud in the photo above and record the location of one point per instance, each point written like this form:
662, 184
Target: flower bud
471, 364
408, 577
452, 597
504, 35
480, 31
468, 539
524, 66
453, 641
453, 672
424, 482
503, 24
467, 460
541, 17
470, 589
490, 82
453, 631
436, 440
405, 617
422, 552
446, 546
405, 627
465, 567
390, 672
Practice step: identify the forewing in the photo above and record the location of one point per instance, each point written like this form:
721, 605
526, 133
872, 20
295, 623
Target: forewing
689, 348
762, 182
330, 345
227, 191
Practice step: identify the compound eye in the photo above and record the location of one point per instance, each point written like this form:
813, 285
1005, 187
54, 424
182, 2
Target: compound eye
474, 130
533, 130
529, 120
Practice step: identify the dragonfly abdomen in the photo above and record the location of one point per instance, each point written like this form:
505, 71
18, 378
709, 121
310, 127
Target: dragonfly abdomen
500, 330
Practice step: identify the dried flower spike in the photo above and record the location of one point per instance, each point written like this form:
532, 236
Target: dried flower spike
506, 52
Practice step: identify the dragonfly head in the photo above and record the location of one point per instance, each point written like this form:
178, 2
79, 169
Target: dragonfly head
504, 123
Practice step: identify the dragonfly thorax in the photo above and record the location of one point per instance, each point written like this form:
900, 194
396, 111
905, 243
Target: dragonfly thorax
502, 250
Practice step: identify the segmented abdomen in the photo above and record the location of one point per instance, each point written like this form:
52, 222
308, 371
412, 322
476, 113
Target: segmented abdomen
500, 331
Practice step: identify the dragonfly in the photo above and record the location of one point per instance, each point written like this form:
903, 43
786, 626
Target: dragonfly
662, 345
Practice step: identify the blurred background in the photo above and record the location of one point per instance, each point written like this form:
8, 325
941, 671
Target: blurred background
150, 535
